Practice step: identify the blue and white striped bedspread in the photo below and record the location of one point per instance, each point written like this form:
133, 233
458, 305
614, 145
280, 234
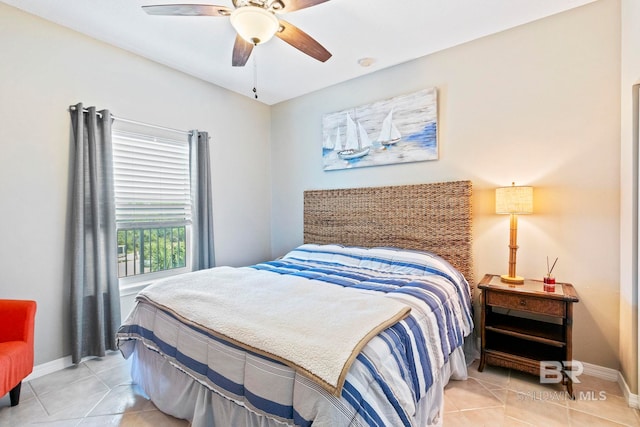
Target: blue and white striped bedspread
391, 374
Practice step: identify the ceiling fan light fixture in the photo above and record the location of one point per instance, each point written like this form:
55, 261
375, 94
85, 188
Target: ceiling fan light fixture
254, 24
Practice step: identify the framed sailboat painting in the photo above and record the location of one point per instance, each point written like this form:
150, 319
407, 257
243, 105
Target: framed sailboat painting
401, 129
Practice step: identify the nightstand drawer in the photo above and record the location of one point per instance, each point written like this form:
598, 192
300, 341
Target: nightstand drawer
526, 303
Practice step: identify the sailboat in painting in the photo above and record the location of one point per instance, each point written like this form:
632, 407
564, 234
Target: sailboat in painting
389, 134
330, 144
357, 141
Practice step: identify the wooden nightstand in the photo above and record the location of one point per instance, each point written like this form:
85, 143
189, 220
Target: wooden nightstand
522, 325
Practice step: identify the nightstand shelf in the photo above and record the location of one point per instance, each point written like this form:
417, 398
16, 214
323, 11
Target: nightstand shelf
527, 349
527, 329
523, 325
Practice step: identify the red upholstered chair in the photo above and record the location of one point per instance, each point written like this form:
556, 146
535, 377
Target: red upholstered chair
17, 319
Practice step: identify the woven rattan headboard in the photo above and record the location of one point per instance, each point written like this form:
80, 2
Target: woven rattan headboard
429, 217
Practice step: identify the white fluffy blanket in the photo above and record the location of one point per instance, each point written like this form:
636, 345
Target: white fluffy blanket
315, 327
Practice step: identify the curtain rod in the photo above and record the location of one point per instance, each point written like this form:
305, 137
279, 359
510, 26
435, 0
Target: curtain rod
184, 132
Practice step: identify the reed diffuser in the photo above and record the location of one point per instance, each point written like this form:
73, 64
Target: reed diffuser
549, 280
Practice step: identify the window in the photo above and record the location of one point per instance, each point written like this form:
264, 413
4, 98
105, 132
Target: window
153, 204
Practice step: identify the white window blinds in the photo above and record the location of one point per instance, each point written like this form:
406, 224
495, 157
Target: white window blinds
152, 181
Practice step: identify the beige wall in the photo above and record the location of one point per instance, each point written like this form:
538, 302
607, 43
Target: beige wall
43, 69
629, 195
538, 105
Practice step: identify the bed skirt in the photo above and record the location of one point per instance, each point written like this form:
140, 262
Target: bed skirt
180, 395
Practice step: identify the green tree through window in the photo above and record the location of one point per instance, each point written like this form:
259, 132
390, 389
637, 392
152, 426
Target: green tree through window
149, 250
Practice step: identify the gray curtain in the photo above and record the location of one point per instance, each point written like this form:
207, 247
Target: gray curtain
203, 253
95, 297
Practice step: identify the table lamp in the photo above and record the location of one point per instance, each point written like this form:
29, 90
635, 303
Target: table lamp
514, 200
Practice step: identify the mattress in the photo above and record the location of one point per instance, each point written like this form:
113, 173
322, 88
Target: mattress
396, 379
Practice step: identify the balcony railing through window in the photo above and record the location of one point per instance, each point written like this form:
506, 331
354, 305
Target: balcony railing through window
148, 250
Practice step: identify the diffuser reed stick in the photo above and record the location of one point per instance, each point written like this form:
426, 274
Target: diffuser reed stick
550, 270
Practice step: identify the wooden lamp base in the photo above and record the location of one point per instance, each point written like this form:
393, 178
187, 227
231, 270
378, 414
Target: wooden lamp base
515, 280
512, 278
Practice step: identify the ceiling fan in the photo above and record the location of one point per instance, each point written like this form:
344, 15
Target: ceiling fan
256, 22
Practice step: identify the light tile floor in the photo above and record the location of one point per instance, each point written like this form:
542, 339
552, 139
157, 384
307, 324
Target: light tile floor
502, 397
99, 392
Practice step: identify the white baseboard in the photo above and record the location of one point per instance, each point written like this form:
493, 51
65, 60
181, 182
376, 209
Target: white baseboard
49, 368
601, 372
609, 374
53, 366
632, 399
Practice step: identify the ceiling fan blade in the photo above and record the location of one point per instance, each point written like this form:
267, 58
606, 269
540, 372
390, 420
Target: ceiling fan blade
291, 5
187, 10
302, 41
241, 52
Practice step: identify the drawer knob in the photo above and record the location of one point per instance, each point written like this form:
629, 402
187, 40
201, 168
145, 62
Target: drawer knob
523, 302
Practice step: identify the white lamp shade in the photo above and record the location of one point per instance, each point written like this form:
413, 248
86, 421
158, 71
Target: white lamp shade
254, 24
514, 200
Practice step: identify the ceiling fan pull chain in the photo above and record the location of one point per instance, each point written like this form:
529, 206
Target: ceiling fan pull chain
255, 76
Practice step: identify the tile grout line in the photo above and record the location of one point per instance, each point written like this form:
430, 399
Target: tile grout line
37, 398
596, 416
91, 374
517, 420
69, 383
109, 390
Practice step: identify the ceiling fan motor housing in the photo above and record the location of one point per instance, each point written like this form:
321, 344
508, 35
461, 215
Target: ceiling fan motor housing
254, 24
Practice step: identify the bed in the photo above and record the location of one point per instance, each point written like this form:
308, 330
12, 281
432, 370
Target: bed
362, 324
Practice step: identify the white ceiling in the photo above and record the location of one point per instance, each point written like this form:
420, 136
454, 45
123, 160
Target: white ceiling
392, 32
